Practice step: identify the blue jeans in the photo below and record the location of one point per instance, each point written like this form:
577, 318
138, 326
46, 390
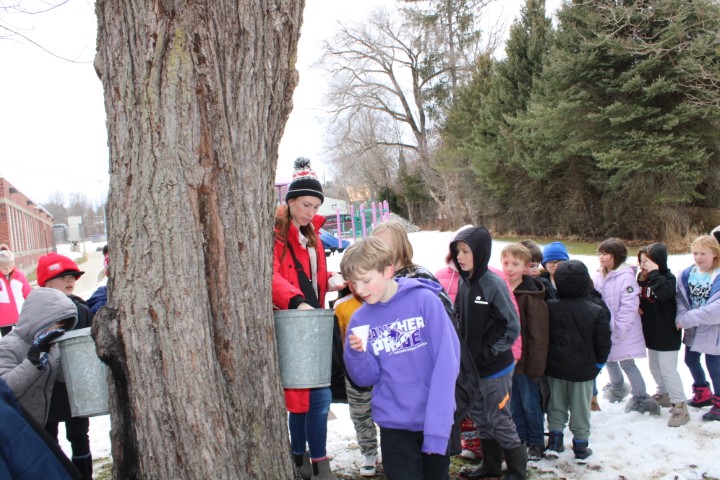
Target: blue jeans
311, 428
712, 362
526, 408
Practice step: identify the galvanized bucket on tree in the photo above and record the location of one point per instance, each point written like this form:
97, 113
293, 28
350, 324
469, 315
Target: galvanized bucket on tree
85, 375
304, 343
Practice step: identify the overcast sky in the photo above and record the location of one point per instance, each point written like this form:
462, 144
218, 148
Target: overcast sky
52, 119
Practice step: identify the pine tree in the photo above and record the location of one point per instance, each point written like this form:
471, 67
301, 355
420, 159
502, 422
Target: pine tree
454, 159
623, 123
479, 122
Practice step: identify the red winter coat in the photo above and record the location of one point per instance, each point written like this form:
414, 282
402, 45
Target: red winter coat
285, 286
13, 293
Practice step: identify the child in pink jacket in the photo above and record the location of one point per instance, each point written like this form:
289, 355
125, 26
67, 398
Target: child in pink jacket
14, 289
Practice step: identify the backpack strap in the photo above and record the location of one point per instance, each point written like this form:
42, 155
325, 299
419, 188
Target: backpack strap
306, 287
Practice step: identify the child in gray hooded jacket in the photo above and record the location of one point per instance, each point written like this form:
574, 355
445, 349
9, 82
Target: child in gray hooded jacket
29, 362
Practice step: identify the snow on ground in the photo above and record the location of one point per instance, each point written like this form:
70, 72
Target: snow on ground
625, 445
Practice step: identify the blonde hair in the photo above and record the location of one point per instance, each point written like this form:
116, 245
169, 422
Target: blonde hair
711, 243
366, 255
518, 251
402, 250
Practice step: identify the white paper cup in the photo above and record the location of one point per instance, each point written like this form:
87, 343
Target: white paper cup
362, 331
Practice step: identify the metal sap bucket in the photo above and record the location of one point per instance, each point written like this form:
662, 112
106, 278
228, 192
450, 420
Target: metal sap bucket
304, 344
85, 375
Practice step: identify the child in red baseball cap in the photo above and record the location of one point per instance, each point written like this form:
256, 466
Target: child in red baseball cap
53, 267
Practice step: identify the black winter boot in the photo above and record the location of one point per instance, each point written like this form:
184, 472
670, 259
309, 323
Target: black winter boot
302, 462
84, 466
582, 452
554, 445
516, 461
491, 466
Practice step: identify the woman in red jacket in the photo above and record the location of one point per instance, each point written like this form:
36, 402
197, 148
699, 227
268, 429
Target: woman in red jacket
300, 281
14, 289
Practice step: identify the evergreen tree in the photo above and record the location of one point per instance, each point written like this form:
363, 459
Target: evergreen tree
623, 125
479, 123
454, 159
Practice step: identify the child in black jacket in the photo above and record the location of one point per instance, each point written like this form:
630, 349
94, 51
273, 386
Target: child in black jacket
489, 324
579, 347
658, 308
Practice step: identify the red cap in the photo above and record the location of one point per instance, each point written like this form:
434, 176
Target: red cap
53, 265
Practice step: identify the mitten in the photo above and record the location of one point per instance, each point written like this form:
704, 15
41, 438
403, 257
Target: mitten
37, 354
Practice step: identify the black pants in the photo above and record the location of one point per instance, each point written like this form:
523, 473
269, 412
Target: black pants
76, 432
5, 330
403, 459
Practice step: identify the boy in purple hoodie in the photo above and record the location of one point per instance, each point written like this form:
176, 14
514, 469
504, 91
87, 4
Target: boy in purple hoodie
402, 342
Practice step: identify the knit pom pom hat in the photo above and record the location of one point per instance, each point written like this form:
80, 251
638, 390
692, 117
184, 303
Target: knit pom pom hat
555, 251
53, 265
304, 182
7, 259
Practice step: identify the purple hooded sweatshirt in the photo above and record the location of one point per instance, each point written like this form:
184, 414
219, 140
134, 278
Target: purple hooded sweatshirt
412, 359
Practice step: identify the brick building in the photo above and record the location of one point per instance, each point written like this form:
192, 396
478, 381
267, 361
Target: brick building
25, 227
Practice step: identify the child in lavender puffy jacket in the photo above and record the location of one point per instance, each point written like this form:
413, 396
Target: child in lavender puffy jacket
619, 288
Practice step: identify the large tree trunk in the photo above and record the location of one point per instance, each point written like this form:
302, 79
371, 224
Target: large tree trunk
197, 94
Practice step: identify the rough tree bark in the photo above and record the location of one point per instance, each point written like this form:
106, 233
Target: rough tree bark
197, 95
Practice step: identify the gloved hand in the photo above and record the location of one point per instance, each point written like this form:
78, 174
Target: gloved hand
37, 354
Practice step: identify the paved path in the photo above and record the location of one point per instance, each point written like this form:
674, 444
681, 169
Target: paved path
93, 267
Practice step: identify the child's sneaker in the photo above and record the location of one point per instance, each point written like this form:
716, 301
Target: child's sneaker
582, 452
369, 466
469, 454
535, 452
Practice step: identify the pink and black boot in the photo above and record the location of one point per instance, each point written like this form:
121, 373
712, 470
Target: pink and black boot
702, 396
714, 413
